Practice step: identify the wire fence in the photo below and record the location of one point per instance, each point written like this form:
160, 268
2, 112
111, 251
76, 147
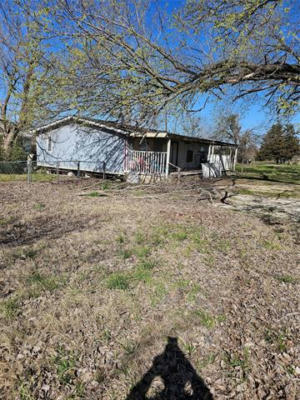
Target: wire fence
31, 171
14, 170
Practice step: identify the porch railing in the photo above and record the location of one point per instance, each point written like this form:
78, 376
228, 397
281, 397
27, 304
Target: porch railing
146, 162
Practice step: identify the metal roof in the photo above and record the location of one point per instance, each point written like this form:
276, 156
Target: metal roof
128, 130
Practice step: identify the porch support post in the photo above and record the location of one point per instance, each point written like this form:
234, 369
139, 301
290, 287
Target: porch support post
209, 151
235, 158
168, 157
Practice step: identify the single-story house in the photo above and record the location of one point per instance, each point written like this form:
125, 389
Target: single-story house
93, 145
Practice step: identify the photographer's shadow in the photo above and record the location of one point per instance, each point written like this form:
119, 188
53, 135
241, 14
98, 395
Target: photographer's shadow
180, 379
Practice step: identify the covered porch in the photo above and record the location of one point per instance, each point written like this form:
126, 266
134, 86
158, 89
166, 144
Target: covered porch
163, 154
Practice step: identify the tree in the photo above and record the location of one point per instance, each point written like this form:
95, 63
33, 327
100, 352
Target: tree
280, 143
257, 46
25, 69
135, 57
291, 143
247, 150
228, 129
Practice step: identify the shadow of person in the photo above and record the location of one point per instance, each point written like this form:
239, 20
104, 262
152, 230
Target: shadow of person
180, 379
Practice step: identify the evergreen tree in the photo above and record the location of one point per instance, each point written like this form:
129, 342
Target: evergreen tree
291, 142
280, 143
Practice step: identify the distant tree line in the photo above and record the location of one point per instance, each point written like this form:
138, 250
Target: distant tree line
279, 144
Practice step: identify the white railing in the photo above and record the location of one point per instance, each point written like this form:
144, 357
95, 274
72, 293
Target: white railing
146, 162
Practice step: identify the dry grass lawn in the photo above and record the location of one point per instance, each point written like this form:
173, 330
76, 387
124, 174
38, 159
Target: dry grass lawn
94, 281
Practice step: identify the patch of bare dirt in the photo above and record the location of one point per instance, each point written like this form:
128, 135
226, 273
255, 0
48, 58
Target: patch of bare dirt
276, 204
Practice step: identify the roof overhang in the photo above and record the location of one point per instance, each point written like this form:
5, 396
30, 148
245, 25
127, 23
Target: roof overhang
80, 120
179, 138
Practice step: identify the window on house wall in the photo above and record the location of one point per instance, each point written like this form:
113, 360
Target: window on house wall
49, 143
189, 156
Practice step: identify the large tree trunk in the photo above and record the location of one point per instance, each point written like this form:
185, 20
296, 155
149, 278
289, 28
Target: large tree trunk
8, 141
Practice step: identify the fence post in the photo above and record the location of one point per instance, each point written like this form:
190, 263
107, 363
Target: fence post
104, 168
178, 174
168, 157
78, 169
29, 169
57, 170
235, 158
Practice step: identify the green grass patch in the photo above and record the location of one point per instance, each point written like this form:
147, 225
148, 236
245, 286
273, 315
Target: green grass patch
121, 239
142, 251
200, 243
189, 348
210, 260
106, 185
139, 238
147, 264
129, 347
123, 280
204, 318
95, 194
193, 292
44, 282
7, 221
180, 235
160, 235
126, 253
39, 206
142, 275
24, 392
36, 177
246, 191
65, 366
138, 193
182, 284
10, 308
25, 253
234, 360
119, 280
159, 291
269, 245
283, 194
287, 279
222, 245
207, 360
277, 339
273, 172
30, 253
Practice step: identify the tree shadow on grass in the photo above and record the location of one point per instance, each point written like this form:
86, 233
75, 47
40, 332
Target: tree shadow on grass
50, 227
180, 379
293, 178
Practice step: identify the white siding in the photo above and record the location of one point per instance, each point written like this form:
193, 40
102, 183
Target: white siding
71, 143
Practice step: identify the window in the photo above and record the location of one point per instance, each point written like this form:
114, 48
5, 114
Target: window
49, 143
189, 156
